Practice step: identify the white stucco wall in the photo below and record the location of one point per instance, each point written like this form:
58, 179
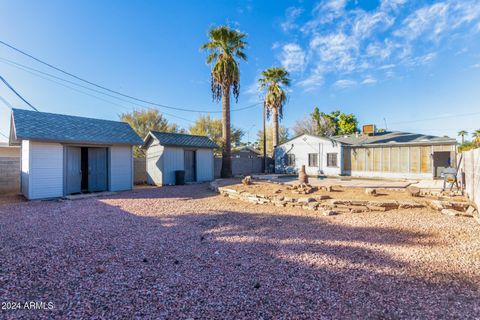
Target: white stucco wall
121, 168
304, 145
45, 170
205, 165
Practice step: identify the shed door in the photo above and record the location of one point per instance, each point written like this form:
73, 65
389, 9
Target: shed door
441, 160
97, 169
189, 165
74, 170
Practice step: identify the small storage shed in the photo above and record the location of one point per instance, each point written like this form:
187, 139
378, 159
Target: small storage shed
320, 155
170, 152
62, 155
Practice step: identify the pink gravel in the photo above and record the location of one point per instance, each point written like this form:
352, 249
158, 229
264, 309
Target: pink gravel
185, 252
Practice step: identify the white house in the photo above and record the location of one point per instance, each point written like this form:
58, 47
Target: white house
62, 155
170, 152
320, 155
387, 154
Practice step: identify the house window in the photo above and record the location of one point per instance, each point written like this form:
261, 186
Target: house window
332, 160
313, 160
290, 160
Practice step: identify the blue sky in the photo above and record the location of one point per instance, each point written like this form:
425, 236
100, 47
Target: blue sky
399, 61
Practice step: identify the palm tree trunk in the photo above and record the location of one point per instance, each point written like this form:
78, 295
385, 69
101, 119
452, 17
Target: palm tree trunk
463, 139
226, 171
275, 129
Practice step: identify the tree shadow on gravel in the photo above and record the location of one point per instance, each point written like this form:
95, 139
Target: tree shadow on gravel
93, 259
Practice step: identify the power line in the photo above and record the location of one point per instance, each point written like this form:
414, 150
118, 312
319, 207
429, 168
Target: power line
16, 93
27, 69
111, 90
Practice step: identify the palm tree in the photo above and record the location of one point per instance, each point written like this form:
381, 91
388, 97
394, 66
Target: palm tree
462, 133
274, 80
224, 46
476, 136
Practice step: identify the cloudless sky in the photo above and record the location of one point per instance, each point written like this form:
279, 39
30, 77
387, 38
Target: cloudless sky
395, 61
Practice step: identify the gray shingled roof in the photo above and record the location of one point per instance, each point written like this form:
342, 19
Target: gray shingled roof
393, 137
183, 140
43, 126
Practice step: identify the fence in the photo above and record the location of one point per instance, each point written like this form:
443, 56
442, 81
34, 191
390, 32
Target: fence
139, 171
10, 170
241, 166
470, 166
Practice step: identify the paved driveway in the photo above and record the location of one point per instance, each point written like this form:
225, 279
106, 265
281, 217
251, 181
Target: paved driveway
184, 252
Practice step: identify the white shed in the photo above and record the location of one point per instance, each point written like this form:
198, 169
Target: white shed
170, 152
320, 155
62, 155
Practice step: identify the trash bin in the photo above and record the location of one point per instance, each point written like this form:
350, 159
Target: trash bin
180, 177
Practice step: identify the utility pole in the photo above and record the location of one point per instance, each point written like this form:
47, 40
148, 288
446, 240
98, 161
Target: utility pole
265, 162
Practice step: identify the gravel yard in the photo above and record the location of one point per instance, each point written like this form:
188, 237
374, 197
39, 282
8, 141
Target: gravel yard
185, 252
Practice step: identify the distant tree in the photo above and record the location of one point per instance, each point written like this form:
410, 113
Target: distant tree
212, 128
283, 135
325, 125
274, 81
305, 126
224, 46
334, 123
462, 133
143, 121
476, 136
347, 124
467, 145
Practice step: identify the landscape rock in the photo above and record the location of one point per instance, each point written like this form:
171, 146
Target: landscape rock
306, 200
358, 209
329, 212
247, 181
450, 212
322, 197
413, 191
437, 205
371, 192
471, 211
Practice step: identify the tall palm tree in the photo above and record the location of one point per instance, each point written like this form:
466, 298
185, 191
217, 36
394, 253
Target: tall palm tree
274, 80
224, 46
462, 133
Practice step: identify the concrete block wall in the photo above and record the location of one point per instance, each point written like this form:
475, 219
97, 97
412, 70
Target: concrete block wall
9, 175
241, 166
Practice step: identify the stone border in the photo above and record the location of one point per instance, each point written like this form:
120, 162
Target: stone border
321, 203
329, 206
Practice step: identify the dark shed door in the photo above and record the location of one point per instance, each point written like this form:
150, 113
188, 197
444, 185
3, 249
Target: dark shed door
74, 170
441, 160
97, 169
189, 165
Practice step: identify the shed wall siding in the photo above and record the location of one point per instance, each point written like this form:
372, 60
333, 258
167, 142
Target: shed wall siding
301, 147
121, 175
46, 170
154, 164
25, 167
173, 159
205, 165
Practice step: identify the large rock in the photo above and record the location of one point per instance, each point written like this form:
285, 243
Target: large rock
450, 212
371, 192
306, 200
247, 181
329, 212
413, 191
